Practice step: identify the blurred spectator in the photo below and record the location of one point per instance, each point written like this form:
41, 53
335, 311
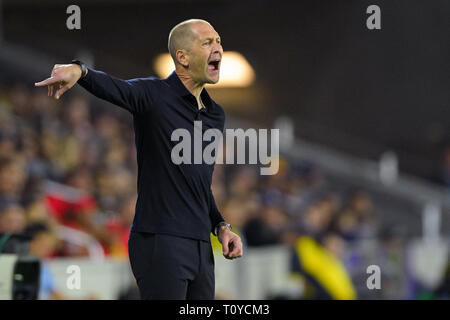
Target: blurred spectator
111, 185
316, 220
243, 183
357, 219
12, 217
118, 228
335, 245
12, 178
81, 178
267, 227
43, 245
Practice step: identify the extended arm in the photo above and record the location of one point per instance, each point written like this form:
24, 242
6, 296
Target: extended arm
133, 95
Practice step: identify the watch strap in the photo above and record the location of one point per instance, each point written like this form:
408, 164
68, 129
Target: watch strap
222, 224
83, 67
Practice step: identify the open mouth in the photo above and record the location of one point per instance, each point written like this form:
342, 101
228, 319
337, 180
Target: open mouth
214, 65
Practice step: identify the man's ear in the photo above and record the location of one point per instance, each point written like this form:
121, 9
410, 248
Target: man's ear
183, 58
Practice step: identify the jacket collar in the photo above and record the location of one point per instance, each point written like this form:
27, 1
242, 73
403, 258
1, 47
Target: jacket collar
174, 81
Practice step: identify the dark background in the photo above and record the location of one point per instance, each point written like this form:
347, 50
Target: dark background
356, 90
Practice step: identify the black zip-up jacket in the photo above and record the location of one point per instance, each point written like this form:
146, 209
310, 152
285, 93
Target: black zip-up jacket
172, 199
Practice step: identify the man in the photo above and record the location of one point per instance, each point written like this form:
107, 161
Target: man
169, 244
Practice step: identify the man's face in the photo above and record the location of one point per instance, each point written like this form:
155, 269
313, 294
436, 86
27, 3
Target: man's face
205, 54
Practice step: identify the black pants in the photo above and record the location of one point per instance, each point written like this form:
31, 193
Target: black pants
171, 268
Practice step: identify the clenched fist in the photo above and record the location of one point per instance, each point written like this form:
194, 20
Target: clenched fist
231, 243
63, 77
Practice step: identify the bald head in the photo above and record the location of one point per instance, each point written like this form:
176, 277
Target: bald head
181, 36
196, 50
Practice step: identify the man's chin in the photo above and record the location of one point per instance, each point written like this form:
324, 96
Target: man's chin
213, 80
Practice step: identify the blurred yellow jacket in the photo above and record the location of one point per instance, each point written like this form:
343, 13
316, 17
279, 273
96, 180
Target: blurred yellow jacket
325, 268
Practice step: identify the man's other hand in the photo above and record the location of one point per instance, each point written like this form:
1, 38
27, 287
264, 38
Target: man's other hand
63, 77
231, 243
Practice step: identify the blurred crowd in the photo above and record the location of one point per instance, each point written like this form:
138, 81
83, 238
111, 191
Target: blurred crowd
60, 164
68, 181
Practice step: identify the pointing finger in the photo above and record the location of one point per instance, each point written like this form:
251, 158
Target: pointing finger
51, 80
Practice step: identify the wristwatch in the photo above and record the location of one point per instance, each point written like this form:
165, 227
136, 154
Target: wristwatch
83, 67
220, 224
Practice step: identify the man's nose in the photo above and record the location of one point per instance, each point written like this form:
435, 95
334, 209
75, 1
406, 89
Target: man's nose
217, 48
